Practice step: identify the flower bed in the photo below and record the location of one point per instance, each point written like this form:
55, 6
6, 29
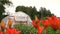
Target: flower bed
50, 25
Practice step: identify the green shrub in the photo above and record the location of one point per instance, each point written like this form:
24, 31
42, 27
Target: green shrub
26, 29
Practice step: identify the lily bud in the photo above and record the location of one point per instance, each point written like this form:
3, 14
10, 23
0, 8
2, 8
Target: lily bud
2, 24
9, 22
36, 18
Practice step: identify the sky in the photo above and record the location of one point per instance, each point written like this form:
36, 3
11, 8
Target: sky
52, 5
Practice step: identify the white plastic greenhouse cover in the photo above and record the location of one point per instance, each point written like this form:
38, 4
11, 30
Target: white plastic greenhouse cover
18, 16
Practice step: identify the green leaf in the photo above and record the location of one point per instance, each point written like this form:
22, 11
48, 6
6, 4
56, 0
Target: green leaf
57, 31
50, 30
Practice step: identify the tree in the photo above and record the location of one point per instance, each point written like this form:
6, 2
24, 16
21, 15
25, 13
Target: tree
43, 12
20, 8
33, 13
2, 8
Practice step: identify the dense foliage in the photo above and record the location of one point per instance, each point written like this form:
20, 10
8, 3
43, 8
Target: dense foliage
2, 8
26, 29
32, 11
